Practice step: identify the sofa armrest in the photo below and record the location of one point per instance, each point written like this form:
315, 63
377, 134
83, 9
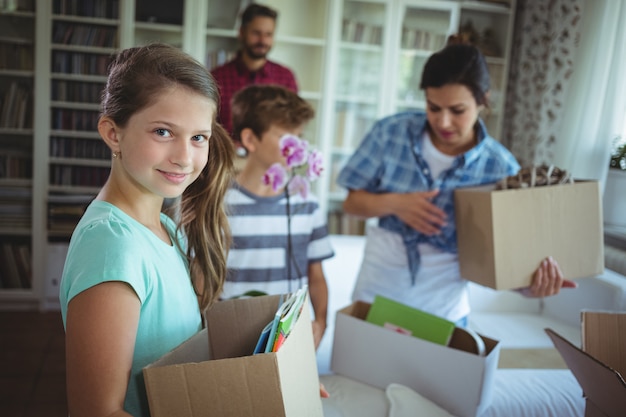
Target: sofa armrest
605, 292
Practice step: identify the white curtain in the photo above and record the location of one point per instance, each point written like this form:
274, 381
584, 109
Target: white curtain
595, 105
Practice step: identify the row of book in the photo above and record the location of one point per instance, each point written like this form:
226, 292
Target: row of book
16, 57
15, 207
360, 32
80, 63
16, 165
17, 5
76, 91
16, 107
351, 127
15, 266
219, 57
67, 119
278, 329
62, 147
104, 9
81, 176
15, 214
63, 217
84, 35
422, 39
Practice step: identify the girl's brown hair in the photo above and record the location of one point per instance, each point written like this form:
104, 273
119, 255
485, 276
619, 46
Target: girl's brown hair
136, 76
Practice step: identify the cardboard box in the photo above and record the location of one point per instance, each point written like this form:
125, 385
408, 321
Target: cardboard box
456, 380
600, 365
503, 235
214, 373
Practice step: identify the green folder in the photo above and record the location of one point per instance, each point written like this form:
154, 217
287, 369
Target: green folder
408, 320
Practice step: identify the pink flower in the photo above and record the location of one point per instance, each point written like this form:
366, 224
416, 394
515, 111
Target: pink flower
294, 150
315, 162
275, 176
302, 167
299, 184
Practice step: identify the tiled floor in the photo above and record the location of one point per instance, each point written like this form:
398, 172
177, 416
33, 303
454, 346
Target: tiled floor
32, 365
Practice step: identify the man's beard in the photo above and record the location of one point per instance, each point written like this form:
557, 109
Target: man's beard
252, 52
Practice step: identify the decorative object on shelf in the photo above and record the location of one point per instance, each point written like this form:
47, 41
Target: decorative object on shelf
614, 198
618, 154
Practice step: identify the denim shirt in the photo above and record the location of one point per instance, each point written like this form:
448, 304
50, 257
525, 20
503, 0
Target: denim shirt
390, 160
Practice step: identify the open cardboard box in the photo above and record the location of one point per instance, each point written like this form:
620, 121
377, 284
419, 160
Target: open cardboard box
600, 365
503, 235
214, 374
450, 376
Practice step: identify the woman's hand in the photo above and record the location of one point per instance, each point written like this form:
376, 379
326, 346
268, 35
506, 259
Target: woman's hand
416, 210
547, 280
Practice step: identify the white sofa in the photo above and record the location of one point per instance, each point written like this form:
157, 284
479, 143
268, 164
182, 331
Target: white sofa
516, 321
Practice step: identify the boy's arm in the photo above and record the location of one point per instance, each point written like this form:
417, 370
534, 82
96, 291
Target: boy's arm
318, 291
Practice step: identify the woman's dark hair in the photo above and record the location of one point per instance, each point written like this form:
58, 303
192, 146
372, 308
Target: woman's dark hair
458, 64
257, 10
136, 76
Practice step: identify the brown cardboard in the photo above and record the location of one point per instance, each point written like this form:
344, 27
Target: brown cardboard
503, 235
603, 386
456, 380
604, 338
214, 374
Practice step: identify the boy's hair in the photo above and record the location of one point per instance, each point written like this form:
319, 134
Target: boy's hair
136, 76
458, 63
256, 10
259, 106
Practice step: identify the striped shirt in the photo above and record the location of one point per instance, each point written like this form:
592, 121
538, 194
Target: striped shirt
257, 259
234, 75
390, 159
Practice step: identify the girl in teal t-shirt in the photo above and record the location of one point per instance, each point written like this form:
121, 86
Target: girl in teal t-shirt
135, 282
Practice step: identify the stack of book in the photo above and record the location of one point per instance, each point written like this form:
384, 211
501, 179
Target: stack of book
276, 331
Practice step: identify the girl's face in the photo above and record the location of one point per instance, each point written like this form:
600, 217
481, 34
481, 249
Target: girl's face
452, 112
165, 146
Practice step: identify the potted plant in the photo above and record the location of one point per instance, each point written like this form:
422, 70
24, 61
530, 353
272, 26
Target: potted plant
614, 200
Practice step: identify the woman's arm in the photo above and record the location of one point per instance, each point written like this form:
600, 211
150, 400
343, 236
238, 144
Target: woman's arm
414, 209
101, 328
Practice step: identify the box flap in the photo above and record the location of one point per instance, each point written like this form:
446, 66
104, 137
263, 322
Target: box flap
297, 368
194, 349
227, 387
604, 338
228, 338
601, 385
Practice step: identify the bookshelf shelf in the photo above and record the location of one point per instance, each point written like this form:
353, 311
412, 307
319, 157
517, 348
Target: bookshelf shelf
17, 56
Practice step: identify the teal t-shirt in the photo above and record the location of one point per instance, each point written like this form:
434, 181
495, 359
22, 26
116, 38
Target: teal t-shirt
109, 245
